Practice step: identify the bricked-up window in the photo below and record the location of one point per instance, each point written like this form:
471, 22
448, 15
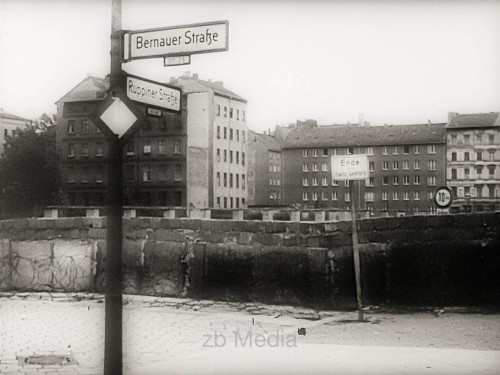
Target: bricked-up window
146, 173
243, 184
225, 179
177, 172
162, 172
325, 152
71, 126
99, 149
406, 149
385, 180
129, 148
85, 150
71, 175
99, 173
218, 132
71, 150
85, 126
146, 148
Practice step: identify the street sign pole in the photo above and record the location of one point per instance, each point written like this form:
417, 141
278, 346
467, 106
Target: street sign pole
355, 251
113, 363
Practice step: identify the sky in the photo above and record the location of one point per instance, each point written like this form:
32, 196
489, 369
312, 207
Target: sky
396, 62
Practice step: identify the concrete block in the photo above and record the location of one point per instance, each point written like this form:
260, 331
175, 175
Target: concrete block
129, 213
169, 214
73, 265
268, 215
51, 213
319, 216
92, 212
238, 215
295, 216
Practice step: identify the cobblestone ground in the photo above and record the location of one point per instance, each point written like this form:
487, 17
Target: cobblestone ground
172, 332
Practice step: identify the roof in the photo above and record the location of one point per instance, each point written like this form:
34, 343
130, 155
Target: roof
11, 116
192, 84
91, 88
269, 141
475, 120
342, 135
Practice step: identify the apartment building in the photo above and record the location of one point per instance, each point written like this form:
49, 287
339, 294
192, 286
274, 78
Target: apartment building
473, 160
217, 157
406, 162
154, 161
9, 124
267, 161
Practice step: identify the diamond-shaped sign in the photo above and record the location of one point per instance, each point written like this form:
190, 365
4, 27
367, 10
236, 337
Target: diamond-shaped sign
118, 117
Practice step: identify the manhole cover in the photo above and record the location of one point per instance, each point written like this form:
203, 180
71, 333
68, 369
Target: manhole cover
47, 360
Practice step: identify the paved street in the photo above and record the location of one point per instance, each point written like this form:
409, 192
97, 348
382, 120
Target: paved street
166, 335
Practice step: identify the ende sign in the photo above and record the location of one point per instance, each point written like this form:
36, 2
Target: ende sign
176, 41
350, 167
152, 93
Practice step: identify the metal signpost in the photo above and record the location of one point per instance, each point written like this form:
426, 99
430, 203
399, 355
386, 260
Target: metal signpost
352, 168
119, 117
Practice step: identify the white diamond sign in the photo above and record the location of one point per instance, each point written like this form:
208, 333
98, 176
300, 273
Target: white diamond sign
118, 117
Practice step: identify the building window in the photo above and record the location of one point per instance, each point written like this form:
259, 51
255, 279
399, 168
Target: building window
177, 146
395, 165
395, 180
479, 171
85, 126
71, 150
416, 195
406, 180
304, 196
335, 182
305, 167
369, 150
479, 156
416, 164
243, 139
177, 172
237, 157
218, 132
225, 202
492, 156
129, 172
242, 158
314, 196
406, 149
467, 139
243, 119
395, 196
467, 173
324, 181
218, 178
225, 111
146, 148
237, 118
85, 175
491, 169
237, 180
71, 126
372, 165
416, 180
237, 135
325, 152
454, 139
347, 197
230, 156
369, 196
315, 167
406, 165
225, 179
453, 174
243, 184
466, 156
432, 165
71, 175
324, 167
99, 149
218, 155
146, 173
385, 165
334, 196
385, 180
384, 150
230, 180
230, 134
491, 139
453, 156
305, 152
324, 196
238, 199
349, 150
315, 153
218, 202
85, 150
225, 132
225, 156
346, 183
406, 196
130, 148
416, 149
218, 114
431, 181
314, 181
385, 196
395, 151
231, 115
431, 149
371, 181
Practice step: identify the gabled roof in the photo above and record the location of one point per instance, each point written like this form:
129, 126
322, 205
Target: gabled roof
475, 120
338, 136
270, 142
9, 116
191, 84
91, 88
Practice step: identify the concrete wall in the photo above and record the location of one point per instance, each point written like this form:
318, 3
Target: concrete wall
420, 260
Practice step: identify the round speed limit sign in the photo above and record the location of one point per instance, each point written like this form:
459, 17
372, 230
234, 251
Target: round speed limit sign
443, 197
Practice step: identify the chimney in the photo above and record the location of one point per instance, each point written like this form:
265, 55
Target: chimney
452, 115
429, 122
362, 120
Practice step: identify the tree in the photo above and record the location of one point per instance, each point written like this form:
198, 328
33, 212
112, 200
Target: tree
28, 170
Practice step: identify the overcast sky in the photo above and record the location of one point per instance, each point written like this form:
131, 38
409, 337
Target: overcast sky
396, 62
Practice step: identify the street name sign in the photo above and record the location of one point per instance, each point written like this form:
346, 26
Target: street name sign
153, 93
176, 41
442, 197
350, 167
